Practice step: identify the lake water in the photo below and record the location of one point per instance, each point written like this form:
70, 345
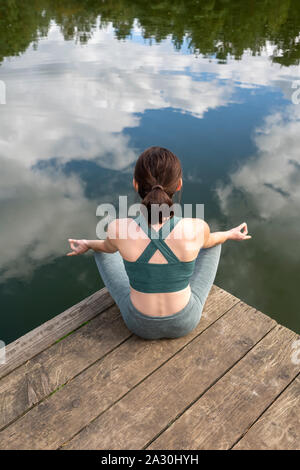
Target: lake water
88, 85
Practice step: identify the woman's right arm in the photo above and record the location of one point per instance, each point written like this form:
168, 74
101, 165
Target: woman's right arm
237, 233
108, 245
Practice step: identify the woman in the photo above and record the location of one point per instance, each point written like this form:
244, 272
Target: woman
161, 271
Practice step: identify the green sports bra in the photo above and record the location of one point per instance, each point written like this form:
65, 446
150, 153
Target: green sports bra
156, 277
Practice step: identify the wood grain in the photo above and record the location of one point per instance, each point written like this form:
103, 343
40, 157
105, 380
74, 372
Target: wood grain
44, 373
45, 335
279, 427
57, 418
227, 410
148, 408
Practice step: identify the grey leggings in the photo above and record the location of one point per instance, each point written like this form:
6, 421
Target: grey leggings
113, 274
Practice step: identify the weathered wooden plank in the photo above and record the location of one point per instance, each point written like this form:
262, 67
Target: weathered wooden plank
41, 375
137, 418
43, 336
279, 426
44, 373
225, 412
56, 419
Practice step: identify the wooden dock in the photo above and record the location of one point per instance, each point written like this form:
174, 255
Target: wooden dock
83, 381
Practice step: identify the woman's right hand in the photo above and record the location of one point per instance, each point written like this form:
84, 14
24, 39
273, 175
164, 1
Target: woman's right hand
239, 233
78, 247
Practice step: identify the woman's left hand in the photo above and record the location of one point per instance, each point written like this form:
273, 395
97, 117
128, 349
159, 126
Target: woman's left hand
78, 247
239, 233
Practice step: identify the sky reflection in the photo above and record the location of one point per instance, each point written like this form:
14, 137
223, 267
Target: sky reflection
77, 116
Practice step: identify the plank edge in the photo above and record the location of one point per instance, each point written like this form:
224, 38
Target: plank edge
42, 337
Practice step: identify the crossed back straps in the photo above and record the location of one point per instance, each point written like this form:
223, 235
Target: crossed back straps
157, 240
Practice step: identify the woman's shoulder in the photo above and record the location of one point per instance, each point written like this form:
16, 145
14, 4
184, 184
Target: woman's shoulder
189, 227
193, 222
118, 223
118, 228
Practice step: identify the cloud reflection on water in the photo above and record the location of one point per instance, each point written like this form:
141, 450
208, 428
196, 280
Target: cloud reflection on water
69, 102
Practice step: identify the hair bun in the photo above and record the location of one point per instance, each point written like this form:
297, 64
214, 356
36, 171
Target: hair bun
157, 186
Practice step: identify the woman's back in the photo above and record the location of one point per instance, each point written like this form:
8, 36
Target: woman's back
170, 249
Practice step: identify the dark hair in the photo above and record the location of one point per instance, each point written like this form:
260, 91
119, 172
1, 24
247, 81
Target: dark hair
157, 173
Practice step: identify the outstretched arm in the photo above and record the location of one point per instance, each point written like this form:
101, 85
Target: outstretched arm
108, 245
79, 247
238, 233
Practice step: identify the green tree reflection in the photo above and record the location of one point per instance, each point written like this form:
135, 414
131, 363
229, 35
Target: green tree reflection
211, 27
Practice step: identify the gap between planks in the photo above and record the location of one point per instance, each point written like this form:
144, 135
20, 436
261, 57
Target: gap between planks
211, 310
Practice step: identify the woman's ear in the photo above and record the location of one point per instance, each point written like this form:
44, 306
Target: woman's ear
179, 185
135, 185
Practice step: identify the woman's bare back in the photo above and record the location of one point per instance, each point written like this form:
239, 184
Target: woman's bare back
185, 241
